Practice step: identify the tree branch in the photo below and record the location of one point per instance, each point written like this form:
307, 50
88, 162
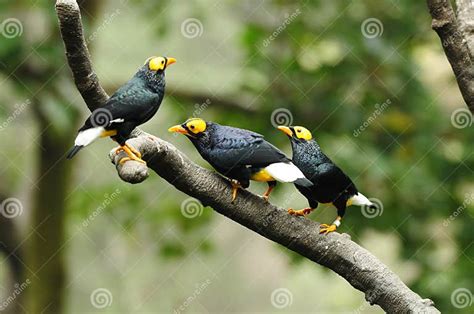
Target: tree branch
203, 98
78, 55
465, 16
455, 47
335, 251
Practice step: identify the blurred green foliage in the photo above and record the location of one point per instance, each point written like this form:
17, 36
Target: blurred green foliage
330, 77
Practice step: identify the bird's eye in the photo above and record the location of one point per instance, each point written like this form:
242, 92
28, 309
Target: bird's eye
191, 126
162, 62
298, 130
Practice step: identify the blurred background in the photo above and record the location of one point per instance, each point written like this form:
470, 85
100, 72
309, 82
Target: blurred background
369, 78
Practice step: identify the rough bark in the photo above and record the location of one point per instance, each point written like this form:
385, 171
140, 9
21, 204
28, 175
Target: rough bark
465, 16
78, 55
335, 251
455, 44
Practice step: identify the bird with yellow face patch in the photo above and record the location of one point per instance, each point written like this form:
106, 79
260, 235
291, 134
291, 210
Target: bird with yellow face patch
133, 104
330, 184
240, 155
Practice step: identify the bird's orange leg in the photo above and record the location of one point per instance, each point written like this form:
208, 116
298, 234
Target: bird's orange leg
118, 150
133, 150
266, 195
235, 186
301, 212
325, 228
132, 153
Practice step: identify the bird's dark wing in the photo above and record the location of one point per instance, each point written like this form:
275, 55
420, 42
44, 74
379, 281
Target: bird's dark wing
133, 102
332, 179
237, 147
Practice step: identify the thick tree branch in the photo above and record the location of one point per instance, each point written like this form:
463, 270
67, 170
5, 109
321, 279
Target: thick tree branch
335, 251
206, 98
455, 47
78, 55
465, 16
203, 100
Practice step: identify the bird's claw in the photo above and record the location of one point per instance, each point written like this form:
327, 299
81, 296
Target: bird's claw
125, 159
235, 188
132, 154
133, 150
325, 228
301, 212
118, 150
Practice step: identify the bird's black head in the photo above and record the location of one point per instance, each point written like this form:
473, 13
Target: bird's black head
193, 128
153, 71
296, 133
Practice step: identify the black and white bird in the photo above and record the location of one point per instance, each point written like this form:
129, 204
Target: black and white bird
330, 183
133, 104
241, 155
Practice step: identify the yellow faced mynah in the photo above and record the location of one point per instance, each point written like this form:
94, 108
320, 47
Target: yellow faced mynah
240, 155
330, 184
133, 104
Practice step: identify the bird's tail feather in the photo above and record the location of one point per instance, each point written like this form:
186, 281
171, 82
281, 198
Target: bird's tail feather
74, 151
303, 182
84, 138
360, 200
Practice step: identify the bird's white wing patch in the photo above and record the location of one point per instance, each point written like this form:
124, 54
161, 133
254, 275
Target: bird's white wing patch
118, 120
284, 172
86, 137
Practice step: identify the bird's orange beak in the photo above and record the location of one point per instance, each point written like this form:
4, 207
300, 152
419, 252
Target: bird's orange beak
178, 129
285, 130
170, 61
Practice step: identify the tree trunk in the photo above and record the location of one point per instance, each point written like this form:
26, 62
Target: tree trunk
46, 268
10, 247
